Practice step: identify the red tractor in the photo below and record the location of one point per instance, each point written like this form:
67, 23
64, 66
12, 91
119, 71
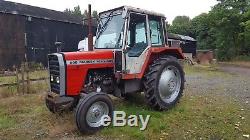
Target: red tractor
130, 55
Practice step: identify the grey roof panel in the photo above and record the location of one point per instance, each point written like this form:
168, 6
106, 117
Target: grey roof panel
139, 10
27, 10
180, 37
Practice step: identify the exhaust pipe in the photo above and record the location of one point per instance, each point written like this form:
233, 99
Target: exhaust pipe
90, 35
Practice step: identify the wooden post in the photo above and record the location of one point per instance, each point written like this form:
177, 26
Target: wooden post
17, 80
22, 74
27, 77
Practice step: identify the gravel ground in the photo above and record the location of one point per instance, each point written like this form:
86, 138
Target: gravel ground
242, 71
229, 81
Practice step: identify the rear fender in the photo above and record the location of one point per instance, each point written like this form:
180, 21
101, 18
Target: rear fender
173, 51
155, 53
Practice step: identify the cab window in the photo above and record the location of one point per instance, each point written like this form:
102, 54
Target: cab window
137, 35
156, 31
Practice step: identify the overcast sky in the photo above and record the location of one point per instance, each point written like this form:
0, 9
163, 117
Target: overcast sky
171, 8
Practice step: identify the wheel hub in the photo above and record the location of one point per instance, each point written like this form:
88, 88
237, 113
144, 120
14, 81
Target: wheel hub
95, 113
172, 84
169, 84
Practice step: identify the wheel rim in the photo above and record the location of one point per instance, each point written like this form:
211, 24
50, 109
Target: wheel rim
169, 84
96, 112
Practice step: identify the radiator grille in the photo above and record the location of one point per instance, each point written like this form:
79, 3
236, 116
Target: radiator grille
54, 70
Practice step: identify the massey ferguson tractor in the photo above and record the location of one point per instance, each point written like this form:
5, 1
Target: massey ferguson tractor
130, 55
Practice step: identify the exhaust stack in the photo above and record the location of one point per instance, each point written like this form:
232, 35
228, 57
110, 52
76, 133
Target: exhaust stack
90, 35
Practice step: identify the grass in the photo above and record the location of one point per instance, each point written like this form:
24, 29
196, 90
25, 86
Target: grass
206, 117
32, 75
209, 71
241, 61
6, 122
242, 58
8, 91
35, 87
197, 116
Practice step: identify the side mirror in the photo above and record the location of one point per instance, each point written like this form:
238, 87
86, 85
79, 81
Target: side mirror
83, 44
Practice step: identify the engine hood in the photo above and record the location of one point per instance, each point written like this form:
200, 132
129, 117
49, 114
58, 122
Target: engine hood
78, 64
97, 54
90, 57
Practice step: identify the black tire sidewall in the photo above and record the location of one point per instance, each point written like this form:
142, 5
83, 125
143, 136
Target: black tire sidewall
83, 107
174, 63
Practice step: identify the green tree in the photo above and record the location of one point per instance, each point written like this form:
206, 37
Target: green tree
228, 18
226, 31
95, 14
181, 25
202, 28
245, 35
167, 25
77, 12
225, 28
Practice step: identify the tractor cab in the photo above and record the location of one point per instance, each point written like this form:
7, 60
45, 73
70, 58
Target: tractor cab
128, 27
130, 32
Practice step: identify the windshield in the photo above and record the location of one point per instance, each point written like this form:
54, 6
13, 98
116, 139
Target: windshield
109, 35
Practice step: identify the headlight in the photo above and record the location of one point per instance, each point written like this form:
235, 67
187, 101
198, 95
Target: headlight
51, 78
57, 80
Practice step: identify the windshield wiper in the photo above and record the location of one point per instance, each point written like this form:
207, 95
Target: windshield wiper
103, 28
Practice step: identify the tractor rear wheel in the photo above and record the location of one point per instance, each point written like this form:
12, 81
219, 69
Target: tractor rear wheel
164, 83
90, 111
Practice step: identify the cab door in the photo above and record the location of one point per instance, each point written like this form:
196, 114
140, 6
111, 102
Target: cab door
137, 43
143, 32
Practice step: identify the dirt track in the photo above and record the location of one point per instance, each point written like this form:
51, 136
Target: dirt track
242, 71
230, 81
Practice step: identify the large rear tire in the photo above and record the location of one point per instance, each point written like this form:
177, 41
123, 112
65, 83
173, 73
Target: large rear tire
90, 110
164, 83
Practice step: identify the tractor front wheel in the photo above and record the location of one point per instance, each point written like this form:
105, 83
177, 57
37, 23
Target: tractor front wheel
90, 111
164, 83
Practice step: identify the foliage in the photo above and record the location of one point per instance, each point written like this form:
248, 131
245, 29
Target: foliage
202, 31
226, 28
181, 25
35, 66
77, 12
242, 58
246, 33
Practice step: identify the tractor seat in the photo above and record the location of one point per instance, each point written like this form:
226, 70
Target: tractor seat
137, 50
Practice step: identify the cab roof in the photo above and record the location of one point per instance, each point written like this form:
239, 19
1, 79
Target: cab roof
134, 9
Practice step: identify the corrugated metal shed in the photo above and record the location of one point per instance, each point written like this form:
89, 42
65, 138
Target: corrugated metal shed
33, 31
187, 43
180, 37
11, 40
